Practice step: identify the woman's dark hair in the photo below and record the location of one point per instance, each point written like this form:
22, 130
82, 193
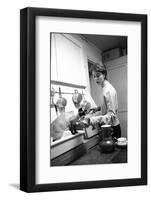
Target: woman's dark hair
100, 68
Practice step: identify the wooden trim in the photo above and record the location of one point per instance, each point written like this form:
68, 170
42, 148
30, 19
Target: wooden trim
67, 84
66, 139
109, 68
75, 153
69, 156
72, 39
112, 64
121, 111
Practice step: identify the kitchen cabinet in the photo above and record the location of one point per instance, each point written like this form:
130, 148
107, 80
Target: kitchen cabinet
67, 60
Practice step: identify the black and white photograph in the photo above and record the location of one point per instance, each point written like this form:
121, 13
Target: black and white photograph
88, 99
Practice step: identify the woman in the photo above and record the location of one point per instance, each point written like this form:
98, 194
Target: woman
110, 115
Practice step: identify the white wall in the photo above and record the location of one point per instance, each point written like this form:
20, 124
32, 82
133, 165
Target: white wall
9, 100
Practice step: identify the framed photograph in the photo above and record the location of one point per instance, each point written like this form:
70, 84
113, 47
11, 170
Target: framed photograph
83, 99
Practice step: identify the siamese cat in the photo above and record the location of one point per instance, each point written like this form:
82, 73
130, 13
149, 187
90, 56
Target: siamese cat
69, 120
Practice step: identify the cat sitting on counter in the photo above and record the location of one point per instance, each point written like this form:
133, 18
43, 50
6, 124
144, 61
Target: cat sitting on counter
70, 120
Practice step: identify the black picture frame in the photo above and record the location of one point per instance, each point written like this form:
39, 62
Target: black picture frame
28, 99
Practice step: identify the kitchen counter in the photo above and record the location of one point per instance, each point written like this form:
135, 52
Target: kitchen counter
95, 156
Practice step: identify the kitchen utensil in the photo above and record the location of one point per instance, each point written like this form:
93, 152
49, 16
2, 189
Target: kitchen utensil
106, 131
85, 105
121, 142
52, 104
61, 102
52, 94
77, 98
122, 139
107, 144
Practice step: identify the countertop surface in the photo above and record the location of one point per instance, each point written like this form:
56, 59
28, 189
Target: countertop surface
95, 156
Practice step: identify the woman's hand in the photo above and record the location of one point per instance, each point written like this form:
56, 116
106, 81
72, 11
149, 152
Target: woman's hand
95, 119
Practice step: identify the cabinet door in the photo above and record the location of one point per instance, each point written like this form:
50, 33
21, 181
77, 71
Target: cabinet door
117, 76
53, 61
69, 60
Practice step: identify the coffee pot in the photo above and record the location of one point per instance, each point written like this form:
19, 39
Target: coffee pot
107, 143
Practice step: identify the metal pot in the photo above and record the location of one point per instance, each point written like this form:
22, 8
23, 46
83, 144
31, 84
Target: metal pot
107, 145
77, 98
61, 102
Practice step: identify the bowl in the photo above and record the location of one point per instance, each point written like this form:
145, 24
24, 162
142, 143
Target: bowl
122, 139
121, 142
